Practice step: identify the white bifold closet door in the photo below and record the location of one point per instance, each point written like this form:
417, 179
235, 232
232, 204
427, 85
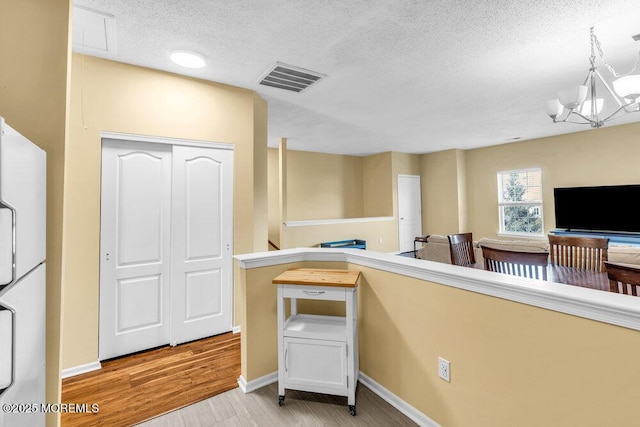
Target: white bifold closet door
166, 234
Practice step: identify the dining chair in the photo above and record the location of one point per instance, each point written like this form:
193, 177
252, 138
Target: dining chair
461, 249
516, 263
623, 279
585, 253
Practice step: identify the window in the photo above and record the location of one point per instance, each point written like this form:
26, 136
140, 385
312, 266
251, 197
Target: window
520, 202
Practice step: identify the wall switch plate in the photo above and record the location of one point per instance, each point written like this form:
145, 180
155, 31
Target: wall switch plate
444, 369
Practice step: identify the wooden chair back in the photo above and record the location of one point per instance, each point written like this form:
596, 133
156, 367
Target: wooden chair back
461, 249
586, 253
516, 263
623, 279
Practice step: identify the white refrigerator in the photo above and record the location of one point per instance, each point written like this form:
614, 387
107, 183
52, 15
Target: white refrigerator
22, 279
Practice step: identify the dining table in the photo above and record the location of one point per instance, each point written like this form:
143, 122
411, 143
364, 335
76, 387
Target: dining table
578, 277
572, 276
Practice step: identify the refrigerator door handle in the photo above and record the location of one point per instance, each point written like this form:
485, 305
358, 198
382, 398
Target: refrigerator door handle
6, 349
7, 250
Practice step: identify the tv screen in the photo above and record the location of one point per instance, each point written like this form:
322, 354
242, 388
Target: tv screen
606, 208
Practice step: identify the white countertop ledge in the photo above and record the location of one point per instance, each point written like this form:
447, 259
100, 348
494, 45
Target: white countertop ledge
607, 307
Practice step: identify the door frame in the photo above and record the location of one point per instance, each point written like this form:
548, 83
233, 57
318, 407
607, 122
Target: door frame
119, 136
165, 140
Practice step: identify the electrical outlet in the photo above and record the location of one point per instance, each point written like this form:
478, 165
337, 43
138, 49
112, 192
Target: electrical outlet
444, 369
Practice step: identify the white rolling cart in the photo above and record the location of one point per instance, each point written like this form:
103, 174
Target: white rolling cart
318, 353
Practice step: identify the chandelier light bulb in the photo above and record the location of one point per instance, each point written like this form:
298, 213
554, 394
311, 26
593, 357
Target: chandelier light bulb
628, 86
554, 108
585, 110
572, 98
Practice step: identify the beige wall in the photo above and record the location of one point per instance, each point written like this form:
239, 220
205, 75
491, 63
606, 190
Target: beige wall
604, 156
381, 236
260, 221
34, 41
273, 188
323, 186
377, 187
459, 191
109, 96
511, 363
405, 164
463, 211
460, 187
440, 192
334, 186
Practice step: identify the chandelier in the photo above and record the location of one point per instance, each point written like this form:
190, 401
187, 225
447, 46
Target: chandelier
584, 104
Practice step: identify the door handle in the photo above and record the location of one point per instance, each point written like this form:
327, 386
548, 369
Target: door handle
6, 351
7, 252
285, 360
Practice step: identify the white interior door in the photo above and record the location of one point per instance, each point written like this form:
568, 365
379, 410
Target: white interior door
409, 211
202, 235
135, 247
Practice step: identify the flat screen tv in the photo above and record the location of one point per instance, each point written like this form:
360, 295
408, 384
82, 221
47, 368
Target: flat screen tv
605, 208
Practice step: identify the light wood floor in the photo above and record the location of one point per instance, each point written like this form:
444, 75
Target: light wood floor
260, 408
136, 388
176, 384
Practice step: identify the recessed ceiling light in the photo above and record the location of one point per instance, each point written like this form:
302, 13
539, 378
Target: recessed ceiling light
187, 59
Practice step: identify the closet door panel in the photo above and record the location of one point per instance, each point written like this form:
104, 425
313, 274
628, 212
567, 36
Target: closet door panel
135, 247
202, 294
203, 208
202, 234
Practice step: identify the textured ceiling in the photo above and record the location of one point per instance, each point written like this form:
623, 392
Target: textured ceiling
407, 76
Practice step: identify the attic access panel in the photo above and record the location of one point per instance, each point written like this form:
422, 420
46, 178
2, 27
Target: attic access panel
93, 32
289, 77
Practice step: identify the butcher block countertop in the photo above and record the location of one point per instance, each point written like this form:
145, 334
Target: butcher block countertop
319, 277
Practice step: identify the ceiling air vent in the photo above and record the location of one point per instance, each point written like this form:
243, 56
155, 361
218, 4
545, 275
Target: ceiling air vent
291, 78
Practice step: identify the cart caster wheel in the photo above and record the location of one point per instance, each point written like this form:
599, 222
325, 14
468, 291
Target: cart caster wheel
352, 410
280, 400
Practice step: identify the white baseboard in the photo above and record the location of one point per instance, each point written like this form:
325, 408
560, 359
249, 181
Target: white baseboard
402, 406
253, 385
415, 415
236, 329
82, 369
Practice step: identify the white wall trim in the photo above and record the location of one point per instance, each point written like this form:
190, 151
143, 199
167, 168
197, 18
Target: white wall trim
253, 385
311, 222
236, 329
82, 369
607, 307
164, 140
415, 415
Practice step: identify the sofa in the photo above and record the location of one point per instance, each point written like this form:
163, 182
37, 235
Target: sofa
624, 254
436, 248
